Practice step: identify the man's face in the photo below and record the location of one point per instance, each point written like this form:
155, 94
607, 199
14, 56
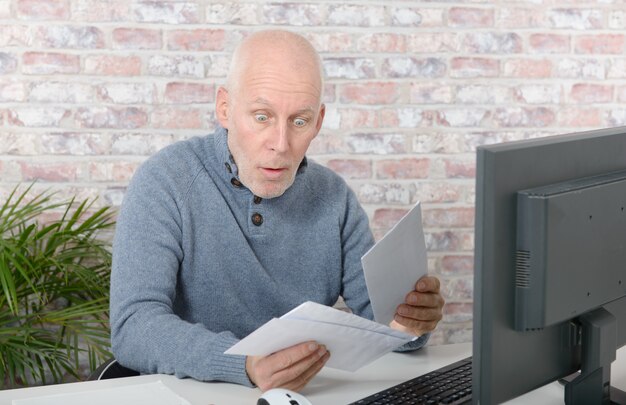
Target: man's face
272, 115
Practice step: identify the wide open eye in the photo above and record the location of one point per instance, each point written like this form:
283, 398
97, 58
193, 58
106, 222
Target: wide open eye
261, 117
299, 122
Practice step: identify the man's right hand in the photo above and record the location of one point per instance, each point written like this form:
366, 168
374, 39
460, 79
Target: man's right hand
291, 368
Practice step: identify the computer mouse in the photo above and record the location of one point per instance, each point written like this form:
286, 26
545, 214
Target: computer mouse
281, 396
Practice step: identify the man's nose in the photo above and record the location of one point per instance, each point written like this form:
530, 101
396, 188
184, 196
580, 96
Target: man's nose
279, 139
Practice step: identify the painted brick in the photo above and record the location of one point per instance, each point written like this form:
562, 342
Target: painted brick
402, 66
410, 168
139, 144
49, 63
616, 117
465, 67
166, 12
49, 171
12, 90
349, 68
195, 40
458, 312
385, 218
492, 42
617, 69
382, 42
524, 117
591, 93
74, 144
449, 241
440, 192
109, 117
531, 68
331, 41
355, 15
113, 196
460, 168
297, 14
459, 288
453, 217
580, 117
429, 43
128, 93
405, 117
457, 265
351, 168
112, 65
43, 9
100, 11
465, 17
370, 93
189, 93
378, 144
112, 171
428, 93
462, 117
581, 68
388, 193
180, 66
176, 118
539, 94
617, 19
350, 118
8, 63
19, 144
5, 10
15, 35
70, 37
575, 18
46, 116
519, 17
549, 43
620, 92
137, 38
600, 44
234, 13
416, 16
327, 142
61, 92
482, 94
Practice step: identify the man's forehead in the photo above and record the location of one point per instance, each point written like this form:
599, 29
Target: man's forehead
266, 102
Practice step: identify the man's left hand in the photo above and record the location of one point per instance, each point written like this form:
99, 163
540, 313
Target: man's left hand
422, 308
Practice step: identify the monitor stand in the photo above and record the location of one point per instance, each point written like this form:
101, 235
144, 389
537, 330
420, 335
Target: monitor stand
599, 346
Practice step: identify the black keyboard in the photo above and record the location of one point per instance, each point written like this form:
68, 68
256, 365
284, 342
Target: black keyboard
450, 385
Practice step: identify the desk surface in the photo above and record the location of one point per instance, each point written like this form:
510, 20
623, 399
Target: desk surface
327, 388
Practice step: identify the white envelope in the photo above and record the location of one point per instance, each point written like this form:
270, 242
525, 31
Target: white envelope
351, 340
394, 264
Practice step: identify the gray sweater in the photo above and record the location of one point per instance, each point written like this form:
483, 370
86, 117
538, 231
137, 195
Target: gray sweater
199, 262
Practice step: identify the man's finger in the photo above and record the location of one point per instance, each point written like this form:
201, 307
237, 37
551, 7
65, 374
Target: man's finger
287, 357
303, 379
284, 376
420, 299
428, 284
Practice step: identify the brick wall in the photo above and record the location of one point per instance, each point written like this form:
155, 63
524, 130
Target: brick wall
90, 88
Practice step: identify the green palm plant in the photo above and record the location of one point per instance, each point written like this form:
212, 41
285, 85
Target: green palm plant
54, 276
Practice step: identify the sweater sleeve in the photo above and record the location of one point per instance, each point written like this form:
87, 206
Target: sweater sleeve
146, 333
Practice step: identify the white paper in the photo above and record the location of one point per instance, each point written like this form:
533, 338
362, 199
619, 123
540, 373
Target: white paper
393, 266
154, 393
351, 340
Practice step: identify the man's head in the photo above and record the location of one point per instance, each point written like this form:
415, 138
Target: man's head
272, 109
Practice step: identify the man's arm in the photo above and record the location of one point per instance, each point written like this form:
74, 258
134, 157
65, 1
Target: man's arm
146, 334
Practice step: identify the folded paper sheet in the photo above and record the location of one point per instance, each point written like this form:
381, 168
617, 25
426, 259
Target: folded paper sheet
394, 264
351, 340
154, 393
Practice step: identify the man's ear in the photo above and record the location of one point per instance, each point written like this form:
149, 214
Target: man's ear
320, 117
222, 106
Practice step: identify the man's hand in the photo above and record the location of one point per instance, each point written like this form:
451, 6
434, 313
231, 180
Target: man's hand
422, 308
291, 368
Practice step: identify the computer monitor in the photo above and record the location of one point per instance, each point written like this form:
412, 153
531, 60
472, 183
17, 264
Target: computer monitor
580, 316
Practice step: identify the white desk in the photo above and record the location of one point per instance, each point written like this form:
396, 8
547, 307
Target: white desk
330, 387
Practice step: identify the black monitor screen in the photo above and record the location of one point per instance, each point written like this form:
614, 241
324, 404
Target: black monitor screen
511, 359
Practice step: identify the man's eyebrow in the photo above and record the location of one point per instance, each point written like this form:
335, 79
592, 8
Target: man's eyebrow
261, 100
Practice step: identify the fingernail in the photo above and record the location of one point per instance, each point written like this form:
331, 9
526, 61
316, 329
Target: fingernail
322, 351
313, 346
421, 286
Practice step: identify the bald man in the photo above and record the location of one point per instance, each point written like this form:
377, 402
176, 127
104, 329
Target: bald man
219, 234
